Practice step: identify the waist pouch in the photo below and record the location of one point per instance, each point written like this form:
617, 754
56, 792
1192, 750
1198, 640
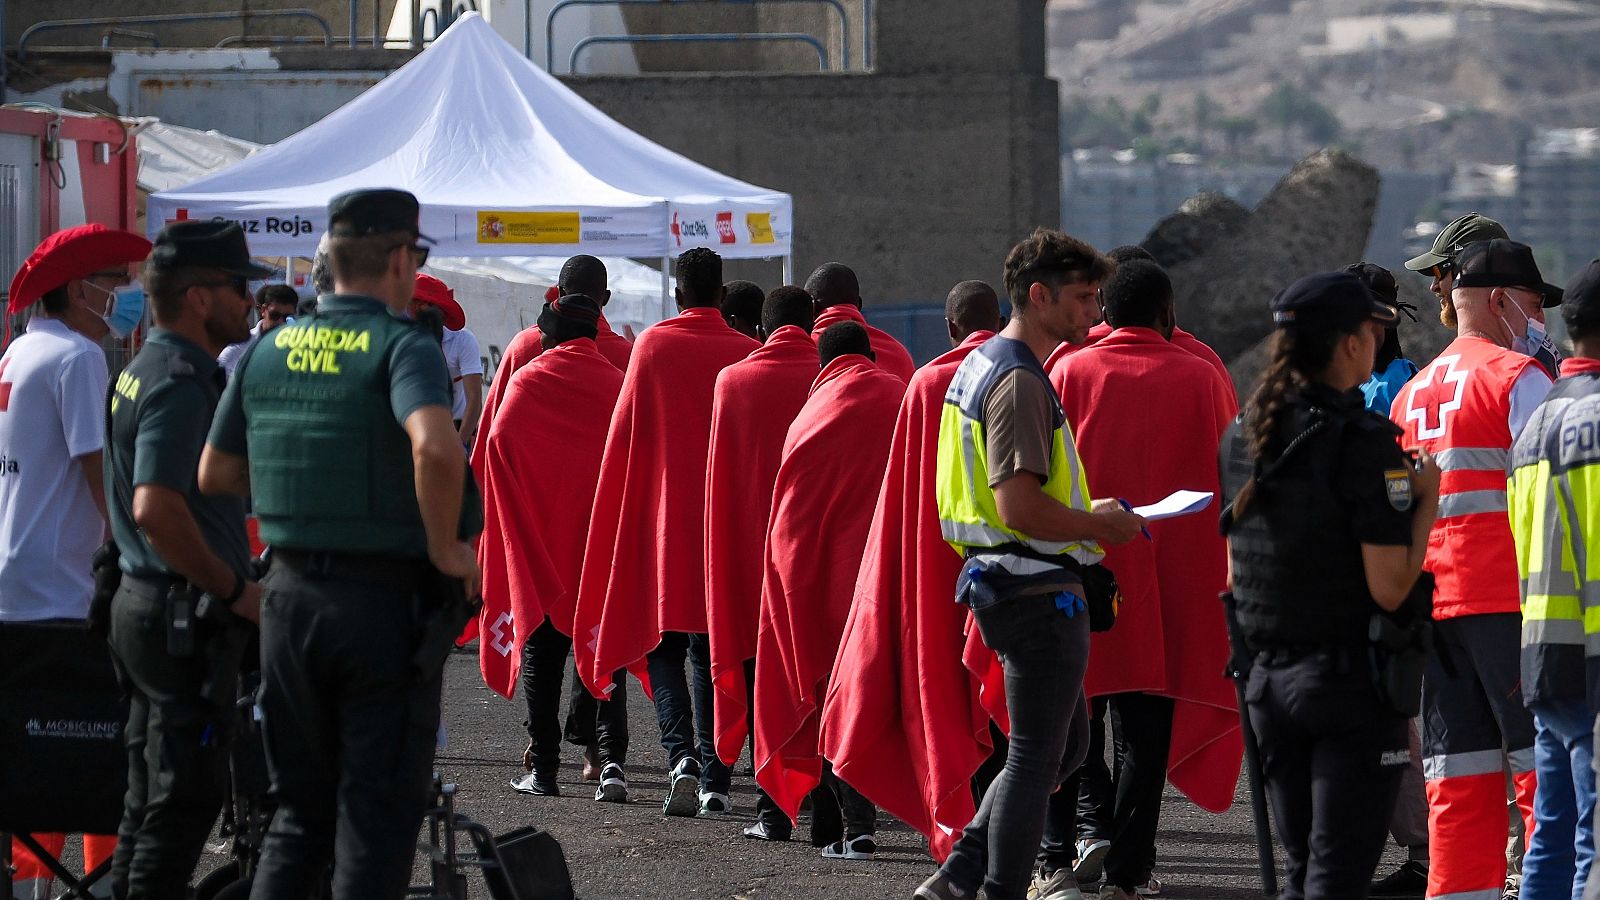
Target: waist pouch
1397, 655
985, 583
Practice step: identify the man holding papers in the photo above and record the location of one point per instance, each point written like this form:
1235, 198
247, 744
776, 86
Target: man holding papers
1144, 413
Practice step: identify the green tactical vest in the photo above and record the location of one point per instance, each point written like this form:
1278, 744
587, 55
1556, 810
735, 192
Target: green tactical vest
330, 469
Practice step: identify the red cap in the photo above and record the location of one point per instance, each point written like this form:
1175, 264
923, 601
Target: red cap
71, 254
552, 294
434, 292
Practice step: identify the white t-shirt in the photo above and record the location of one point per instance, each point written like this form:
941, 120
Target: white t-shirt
231, 354
52, 410
461, 357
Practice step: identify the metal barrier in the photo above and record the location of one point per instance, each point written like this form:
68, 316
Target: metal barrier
176, 18
789, 36
550, 33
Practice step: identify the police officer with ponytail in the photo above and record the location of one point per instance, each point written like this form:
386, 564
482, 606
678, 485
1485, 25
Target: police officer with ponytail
1327, 523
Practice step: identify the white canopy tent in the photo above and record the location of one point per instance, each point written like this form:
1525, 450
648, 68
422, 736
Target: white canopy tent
500, 294
506, 160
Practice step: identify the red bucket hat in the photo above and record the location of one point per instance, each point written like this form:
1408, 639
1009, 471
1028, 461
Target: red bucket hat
434, 292
71, 254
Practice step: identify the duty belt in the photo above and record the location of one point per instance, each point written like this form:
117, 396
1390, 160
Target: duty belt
397, 572
153, 587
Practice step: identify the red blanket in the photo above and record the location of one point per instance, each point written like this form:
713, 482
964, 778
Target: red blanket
644, 561
756, 399
540, 462
902, 723
1147, 416
892, 356
524, 347
1180, 338
833, 468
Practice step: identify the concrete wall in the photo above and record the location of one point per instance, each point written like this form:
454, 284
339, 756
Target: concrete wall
917, 181
22, 13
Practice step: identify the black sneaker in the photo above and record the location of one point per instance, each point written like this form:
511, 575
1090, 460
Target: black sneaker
613, 785
1410, 880
683, 790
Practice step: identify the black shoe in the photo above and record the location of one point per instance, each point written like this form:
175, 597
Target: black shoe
539, 784
1410, 880
766, 831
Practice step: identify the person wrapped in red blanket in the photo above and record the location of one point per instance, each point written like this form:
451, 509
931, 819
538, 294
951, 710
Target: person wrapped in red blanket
642, 594
903, 723
581, 274
540, 464
756, 400
832, 470
837, 292
1147, 415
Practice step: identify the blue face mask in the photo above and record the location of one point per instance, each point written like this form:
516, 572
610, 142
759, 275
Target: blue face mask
124, 308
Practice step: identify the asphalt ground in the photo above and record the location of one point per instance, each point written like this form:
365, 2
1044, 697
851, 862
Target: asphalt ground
632, 852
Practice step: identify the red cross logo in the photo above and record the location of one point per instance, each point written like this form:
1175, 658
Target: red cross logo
5, 387
1437, 393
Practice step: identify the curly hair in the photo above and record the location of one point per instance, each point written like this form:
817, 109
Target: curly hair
1052, 258
1295, 356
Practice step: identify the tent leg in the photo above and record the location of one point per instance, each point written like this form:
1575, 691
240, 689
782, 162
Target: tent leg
788, 269
667, 306
288, 271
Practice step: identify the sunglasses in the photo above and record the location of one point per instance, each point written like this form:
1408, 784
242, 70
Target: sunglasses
418, 252
1439, 271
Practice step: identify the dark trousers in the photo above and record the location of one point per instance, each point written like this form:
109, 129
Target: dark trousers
1044, 654
776, 820
590, 722
1122, 805
839, 810
177, 769
685, 722
1333, 757
350, 727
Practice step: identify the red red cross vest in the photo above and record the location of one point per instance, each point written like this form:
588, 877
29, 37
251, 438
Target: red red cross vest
1457, 408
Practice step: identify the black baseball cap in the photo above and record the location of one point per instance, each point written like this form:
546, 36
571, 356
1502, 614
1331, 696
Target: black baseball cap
1378, 280
1503, 263
205, 244
1330, 300
374, 211
1580, 308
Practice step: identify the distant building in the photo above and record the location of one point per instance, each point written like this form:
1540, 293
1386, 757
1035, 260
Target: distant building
1111, 197
1560, 194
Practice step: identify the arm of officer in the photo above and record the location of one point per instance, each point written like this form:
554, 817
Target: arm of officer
419, 397
166, 447
93, 464
225, 463
437, 463
1394, 542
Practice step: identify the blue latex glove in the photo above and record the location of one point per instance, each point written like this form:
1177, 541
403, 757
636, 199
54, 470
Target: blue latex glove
1070, 604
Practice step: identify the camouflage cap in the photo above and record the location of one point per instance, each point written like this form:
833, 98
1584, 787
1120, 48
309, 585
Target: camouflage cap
1463, 231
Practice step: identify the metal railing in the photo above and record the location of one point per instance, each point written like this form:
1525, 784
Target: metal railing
550, 33
776, 36
175, 18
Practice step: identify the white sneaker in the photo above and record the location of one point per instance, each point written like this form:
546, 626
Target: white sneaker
1058, 885
715, 804
860, 847
1151, 888
1091, 864
613, 785
684, 784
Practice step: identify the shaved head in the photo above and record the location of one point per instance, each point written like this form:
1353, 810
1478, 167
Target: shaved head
787, 305
834, 283
844, 338
971, 306
584, 275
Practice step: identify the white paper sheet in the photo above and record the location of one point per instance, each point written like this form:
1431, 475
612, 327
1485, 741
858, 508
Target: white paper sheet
1178, 503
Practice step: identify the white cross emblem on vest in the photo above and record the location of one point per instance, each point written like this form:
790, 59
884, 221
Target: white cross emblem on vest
1436, 394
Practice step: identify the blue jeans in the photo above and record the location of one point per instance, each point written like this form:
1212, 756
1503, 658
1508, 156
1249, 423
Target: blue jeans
685, 723
1558, 858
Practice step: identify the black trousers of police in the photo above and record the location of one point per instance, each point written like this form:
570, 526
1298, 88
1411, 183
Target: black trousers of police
1333, 756
350, 727
1123, 804
177, 769
602, 724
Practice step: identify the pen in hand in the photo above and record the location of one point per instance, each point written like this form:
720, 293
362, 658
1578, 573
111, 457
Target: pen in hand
1129, 507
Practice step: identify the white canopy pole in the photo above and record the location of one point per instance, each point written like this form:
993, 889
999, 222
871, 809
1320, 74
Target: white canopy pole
667, 306
788, 269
